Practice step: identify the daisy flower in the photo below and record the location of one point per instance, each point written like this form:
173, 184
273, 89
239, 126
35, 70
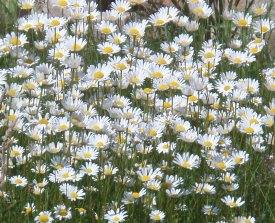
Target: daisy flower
18, 181
157, 215
208, 141
192, 26
106, 27
271, 109
138, 194
75, 44
56, 22
108, 48
184, 40
61, 212
91, 169
230, 201
135, 29
263, 26
210, 210
26, 4
16, 41
147, 174
159, 18
121, 6
222, 163
44, 217
169, 47
241, 19
201, 10
72, 192
101, 72
259, 8
187, 160
109, 169
29, 208
16, 151
116, 216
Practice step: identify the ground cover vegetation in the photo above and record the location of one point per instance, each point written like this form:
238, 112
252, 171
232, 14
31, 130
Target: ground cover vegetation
140, 113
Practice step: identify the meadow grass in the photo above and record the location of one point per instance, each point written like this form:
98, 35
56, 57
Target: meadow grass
144, 113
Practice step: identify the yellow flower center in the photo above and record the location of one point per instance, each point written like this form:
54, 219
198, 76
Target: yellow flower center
238, 160
135, 80
89, 170
28, 210
228, 179
232, 204
96, 127
65, 175
55, 22
221, 165
174, 84
121, 66
100, 144
145, 178
121, 9
134, 32
108, 172
106, 30
159, 22
148, 90
62, 3
43, 218
210, 117
264, 29
27, 6
12, 117
156, 217
117, 40
135, 195
249, 130
259, 10
237, 60
43, 121
180, 128
18, 181
108, 50
41, 185
15, 41
167, 105
208, 143
209, 55
154, 187
199, 11
226, 87
242, 22
161, 61
163, 87
63, 127
74, 195
116, 219
254, 50
186, 164
99, 74
76, 47
153, 132
87, 155
157, 74
63, 212
27, 26
192, 98
15, 153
